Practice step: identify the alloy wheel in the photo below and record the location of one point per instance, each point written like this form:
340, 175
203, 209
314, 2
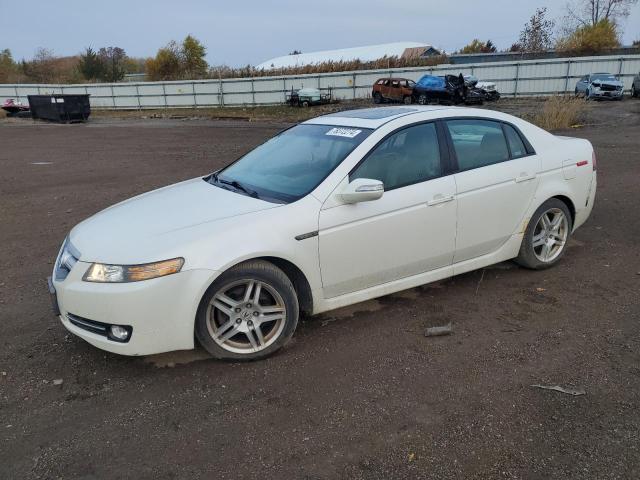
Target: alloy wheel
550, 235
246, 316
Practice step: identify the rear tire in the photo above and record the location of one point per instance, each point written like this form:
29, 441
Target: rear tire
545, 239
248, 313
407, 100
633, 91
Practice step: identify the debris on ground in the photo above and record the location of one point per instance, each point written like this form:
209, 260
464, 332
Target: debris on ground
57, 381
438, 331
558, 388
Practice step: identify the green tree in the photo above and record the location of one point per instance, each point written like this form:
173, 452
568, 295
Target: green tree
113, 61
8, 68
476, 46
91, 65
192, 58
177, 61
591, 39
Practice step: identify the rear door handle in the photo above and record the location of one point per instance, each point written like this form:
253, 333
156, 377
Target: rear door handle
438, 199
524, 177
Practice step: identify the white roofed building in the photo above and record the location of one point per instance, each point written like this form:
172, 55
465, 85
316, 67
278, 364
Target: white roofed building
364, 54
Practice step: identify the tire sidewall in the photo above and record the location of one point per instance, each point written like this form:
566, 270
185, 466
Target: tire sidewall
527, 257
264, 272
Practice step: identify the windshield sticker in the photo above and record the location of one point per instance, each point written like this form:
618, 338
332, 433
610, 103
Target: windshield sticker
343, 132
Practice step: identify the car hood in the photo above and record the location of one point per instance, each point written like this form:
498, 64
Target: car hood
146, 220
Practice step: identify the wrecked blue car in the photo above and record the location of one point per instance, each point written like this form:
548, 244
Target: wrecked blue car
448, 89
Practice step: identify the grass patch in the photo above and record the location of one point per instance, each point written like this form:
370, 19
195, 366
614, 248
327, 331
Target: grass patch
560, 112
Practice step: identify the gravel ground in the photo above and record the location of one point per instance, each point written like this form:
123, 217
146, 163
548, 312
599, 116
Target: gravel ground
359, 393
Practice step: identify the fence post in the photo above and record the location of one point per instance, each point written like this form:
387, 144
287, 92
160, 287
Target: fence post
566, 80
15, 88
220, 92
284, 89
138, 97
193, 89
113, 97
253, 91
515, 89
164, 95
354, 85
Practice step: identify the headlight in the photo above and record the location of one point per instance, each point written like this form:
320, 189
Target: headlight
102, 273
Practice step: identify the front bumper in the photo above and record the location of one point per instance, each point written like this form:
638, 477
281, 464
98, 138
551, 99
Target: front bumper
161, 312
606, 94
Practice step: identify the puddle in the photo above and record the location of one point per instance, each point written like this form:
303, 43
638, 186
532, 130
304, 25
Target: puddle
180, 357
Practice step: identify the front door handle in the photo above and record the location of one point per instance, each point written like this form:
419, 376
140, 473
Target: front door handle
438, 199
523, 177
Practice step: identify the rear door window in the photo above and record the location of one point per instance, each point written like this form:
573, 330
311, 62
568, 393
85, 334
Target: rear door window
477, 143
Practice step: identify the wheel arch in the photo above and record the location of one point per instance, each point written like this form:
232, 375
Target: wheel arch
298, 278
569, 203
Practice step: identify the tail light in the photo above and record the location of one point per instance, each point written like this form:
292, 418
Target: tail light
593, 159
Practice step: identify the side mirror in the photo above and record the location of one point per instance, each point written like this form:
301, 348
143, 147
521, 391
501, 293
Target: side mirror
362, 190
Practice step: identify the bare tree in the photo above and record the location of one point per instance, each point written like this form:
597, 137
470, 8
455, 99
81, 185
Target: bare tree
590, 12
537, 35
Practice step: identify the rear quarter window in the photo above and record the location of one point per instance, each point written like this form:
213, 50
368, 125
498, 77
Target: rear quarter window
516, 145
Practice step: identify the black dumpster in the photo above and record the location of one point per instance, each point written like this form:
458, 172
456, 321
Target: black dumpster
60, 108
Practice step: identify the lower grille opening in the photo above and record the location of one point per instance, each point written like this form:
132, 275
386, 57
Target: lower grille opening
99, 328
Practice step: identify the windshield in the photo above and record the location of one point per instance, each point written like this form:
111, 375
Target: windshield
291, 164
604, 76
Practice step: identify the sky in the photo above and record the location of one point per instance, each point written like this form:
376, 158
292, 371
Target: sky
245, 32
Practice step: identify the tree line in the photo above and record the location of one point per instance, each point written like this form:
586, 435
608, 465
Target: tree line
589, 27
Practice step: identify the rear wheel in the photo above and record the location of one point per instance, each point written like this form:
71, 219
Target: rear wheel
633, 91
546, 237
248, 313
377, 98
407, 100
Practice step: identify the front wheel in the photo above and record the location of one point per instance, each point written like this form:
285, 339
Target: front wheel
546, 236
248, 313
422, 99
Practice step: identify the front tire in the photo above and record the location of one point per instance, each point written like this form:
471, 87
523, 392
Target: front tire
546, 236
422, 99
248, 313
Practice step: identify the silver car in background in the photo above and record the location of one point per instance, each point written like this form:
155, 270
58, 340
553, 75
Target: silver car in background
600, 85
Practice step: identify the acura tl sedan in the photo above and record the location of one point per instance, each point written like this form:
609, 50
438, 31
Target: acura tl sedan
336, 210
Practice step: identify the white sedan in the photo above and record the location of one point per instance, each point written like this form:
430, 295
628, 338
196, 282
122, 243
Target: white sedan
336, 210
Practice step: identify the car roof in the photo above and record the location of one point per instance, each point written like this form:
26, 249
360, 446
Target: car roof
371, 117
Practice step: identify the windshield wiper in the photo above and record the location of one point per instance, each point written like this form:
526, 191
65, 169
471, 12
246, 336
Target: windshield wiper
235, 184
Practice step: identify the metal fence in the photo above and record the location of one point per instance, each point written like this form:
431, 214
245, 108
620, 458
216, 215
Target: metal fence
515, 79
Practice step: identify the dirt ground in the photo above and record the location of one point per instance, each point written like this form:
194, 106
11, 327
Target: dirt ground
359, 393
